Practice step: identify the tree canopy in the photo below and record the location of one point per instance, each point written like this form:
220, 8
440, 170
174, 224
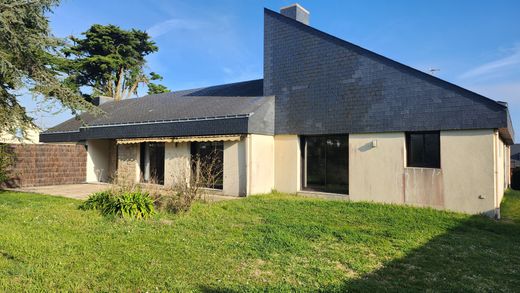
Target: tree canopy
27, 55
110, 61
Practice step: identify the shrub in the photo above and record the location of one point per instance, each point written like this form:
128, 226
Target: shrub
97, 201
121, 203
7, 158
174, 201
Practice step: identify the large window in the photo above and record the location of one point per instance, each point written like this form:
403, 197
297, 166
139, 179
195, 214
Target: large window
325, 163
423, 149
208, 163
152, 162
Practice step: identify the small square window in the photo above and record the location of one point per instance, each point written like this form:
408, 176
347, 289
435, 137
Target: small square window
423, 149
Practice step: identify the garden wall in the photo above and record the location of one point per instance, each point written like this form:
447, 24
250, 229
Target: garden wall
47, 164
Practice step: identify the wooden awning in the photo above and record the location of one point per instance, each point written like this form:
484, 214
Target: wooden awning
181, 139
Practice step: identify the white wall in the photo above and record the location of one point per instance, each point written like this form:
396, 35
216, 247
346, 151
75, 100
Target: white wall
467, 163
235, 168
287, 168
98, 160
376, 173
261, 163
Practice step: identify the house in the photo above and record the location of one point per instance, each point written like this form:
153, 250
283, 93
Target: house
328, 118
515, 156
32, 136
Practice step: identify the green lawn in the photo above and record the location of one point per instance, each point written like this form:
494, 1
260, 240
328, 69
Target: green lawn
274, 242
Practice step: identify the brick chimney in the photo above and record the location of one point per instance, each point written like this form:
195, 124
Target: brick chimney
296, 12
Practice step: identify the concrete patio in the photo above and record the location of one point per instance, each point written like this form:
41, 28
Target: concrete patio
83, 190
77, 191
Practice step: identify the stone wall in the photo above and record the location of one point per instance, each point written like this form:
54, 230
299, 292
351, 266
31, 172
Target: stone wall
128, 169
47, 164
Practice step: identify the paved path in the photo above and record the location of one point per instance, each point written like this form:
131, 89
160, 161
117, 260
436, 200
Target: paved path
78, 191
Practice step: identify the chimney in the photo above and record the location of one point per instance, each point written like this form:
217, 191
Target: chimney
296, 12
98, 101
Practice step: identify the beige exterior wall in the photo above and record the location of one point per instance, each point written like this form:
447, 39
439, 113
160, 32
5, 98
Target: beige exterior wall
128, 169
235, 168
503, 169
287, 168
176, 163
465, 182
98, 160
260, 163
467, 165
376, 173
32, 137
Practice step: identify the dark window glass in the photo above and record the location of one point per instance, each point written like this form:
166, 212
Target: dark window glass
157, 162
208, 163
152, 162
423, 149
325, 161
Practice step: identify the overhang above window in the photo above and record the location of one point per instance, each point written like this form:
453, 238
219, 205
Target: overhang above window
208, 138
181, 139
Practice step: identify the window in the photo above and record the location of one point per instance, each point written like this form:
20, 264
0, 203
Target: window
325, 163
208, 163
152, 162
423, 149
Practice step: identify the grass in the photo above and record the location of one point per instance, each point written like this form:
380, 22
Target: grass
510, 207
273, 242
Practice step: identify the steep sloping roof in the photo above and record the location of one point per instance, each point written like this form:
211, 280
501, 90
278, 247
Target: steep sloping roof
325, 85
250, 88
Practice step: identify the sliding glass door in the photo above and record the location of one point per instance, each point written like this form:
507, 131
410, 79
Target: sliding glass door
325, 163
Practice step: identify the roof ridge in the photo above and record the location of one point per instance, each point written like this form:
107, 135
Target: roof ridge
396, 64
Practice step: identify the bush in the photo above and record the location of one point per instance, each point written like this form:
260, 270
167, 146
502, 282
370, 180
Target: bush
174, 201
7, 158
97, 201
121, 203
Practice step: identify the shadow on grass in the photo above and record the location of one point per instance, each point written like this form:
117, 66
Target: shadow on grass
478, 255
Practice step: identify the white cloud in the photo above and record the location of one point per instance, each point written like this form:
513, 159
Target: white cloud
505, 63
166, 26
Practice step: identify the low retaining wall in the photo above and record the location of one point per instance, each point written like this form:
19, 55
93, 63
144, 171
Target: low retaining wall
47, 164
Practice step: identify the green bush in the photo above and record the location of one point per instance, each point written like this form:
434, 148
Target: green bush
7, 158
123, 203
97, 201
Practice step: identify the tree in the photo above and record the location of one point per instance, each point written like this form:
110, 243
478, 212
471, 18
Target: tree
27, 55
109, 61
154, 88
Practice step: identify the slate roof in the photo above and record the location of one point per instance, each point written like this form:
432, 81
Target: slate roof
250, 88
325, 85
219, 103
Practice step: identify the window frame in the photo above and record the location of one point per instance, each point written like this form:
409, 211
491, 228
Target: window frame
423, 163
304, 184
217, 149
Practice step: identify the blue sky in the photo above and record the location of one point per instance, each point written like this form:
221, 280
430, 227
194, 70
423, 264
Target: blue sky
475, 44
